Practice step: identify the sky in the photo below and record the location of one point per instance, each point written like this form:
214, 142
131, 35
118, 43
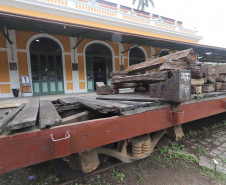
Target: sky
208, 16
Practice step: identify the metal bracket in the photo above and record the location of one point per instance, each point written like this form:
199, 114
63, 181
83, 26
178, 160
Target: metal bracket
176, 89
77, 44
6, 35
61, 147
178, 117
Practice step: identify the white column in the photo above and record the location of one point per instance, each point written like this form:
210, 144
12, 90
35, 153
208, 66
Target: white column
12, 58
74, 59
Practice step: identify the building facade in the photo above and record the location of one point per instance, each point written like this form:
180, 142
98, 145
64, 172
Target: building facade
60, 59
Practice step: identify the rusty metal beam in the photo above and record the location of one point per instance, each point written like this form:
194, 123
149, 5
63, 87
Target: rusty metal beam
176, 89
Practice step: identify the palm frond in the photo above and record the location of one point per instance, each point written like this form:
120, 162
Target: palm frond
152, 3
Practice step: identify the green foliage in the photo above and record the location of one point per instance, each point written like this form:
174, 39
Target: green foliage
213, 174
198, 96
144, 3
57, 179
118, 176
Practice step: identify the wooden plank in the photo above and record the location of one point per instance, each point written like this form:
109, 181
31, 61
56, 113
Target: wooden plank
221, 69
82, 116
207, 88
48, 115
124, 85
222, 78
185, 55
211, 79
142, 110
67, 107
152, 77
6, 119
67, 101
197, 82
128, 97
26, 117
9, 105
223, 86
196, 89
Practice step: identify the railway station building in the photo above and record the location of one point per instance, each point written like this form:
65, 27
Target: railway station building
65, 46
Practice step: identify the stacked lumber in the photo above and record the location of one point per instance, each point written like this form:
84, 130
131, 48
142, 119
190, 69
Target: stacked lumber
168, 65
214, 78
222, 76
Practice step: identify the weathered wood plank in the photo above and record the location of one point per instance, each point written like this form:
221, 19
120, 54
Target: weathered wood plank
82, 116
185, 55
222, 78
221, 69
223, 86
207, 88
67, 101
196, 89
26, 117
211, 79
195, 82
124, 85
7, 118
129, 97
152, 77
67, 107
48, 115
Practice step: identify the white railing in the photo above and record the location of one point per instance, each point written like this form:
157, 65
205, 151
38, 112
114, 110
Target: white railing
93, 7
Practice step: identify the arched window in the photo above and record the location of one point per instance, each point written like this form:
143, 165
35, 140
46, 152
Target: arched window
45, 45
46, 67
136, 56
98, 65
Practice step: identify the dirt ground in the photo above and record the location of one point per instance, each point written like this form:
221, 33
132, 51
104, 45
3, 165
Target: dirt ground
161, 167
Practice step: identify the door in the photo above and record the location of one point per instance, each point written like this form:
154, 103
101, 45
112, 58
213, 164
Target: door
47, 73
98, 70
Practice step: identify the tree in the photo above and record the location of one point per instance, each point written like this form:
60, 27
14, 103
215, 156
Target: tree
143, 3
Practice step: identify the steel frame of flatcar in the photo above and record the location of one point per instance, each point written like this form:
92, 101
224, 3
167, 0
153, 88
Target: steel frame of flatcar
32, 147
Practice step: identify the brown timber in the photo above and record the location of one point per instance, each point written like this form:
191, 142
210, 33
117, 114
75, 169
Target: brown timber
152, 77
185, 55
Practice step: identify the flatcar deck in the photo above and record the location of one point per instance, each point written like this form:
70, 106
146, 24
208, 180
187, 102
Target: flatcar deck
122, 120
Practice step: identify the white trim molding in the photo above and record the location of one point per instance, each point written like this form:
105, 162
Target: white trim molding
85, 11
84, 54
29, 59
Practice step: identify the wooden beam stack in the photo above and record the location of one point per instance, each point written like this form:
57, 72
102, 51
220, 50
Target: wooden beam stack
131, 78
214, 77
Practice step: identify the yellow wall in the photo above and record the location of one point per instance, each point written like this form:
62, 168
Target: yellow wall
89, 23
117, 68
2, 41
5, 88
22, 38
68, 67
82, 85
4, 67
65, 41
22, 63
125, 63
81, 68
69, 85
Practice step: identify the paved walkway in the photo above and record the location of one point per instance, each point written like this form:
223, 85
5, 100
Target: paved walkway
209, 147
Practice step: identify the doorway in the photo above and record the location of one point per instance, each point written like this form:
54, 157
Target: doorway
46, 67
98, 65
